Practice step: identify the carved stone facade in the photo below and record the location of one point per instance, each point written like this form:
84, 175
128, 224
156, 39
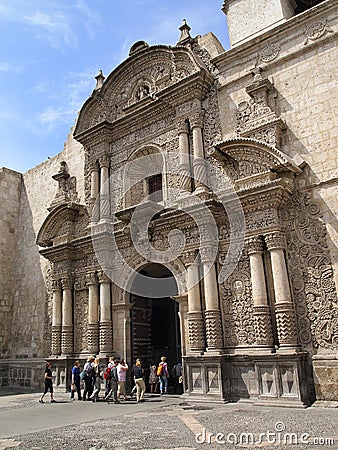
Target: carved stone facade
197, 198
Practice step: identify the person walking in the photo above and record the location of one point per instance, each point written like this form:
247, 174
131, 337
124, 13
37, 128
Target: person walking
153, 378
48, 383
163, 373
113, 382
138, 374
177, 374
96, 380
108, 377
76, 382
122, 368
88, 379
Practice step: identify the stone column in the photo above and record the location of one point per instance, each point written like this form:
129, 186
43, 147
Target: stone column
195, 315
94, 192
67, 344
261, 309
57, 317
93, 312
185, 171
285, 315
104, 188
182, 301
213, 321
200, 174
105, 326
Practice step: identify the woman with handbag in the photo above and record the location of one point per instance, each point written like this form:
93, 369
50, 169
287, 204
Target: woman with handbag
76, 382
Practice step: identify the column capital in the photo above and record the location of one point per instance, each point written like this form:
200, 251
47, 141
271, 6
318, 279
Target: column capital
189, 257
104, 161
103, 278
91, 278
196, 120
182, 127
254, 244
275, 240
208, 253
67, 283
56, 285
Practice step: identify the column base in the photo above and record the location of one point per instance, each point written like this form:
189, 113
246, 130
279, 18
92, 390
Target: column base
214, 352
288, 349
202, 192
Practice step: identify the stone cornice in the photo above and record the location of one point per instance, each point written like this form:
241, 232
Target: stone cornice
290, 44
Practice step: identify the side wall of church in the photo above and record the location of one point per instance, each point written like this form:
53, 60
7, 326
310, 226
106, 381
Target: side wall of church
32, 307
10, 188
302, 66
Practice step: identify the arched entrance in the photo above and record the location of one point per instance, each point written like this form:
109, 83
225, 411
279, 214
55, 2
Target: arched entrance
155, 327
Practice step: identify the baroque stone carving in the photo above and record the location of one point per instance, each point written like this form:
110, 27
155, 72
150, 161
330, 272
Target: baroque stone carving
310, 272
256, 118
316, 30
269, 52
81, 324
237, 308
196, 331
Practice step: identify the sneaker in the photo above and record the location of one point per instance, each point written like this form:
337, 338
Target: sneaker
72, 399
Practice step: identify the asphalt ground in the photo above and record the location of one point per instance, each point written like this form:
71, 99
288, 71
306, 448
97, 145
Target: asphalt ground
161, 423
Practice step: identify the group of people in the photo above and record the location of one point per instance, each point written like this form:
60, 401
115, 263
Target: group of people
114, 376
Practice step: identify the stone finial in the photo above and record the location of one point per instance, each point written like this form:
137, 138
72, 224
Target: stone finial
99, 80
185, 33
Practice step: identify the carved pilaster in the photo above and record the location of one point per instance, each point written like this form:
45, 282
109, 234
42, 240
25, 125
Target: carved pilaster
93, 338
286, 324
213, 330
56, 340
67, 338
262, 324
106, 337
196, 331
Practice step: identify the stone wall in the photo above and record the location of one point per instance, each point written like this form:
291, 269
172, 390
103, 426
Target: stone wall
295, 61
10, 188
31, 307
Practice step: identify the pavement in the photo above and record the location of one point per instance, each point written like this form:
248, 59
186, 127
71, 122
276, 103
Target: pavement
160, 423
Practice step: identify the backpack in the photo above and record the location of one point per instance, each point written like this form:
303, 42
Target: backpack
107, 374
160, 370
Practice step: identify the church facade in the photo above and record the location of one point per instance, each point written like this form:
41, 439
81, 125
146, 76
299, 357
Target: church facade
192, 214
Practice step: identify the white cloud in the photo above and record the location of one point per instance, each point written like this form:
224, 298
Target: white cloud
7, 67
54, 28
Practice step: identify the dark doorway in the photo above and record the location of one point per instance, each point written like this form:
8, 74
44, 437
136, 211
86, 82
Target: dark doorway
155, 327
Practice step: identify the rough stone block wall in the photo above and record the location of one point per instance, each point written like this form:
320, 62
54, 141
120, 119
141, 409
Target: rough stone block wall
31, 321
10, 187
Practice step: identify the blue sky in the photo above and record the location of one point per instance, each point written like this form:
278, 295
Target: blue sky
51, 50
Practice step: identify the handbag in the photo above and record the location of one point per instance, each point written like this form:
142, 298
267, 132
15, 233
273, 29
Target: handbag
83, 375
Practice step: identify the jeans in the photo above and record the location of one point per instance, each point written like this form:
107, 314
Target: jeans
77, 389
163, 384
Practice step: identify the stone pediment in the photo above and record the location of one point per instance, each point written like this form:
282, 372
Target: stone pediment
249, 162
62, 225
139, 81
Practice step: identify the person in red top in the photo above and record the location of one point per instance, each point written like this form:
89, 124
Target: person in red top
163, 373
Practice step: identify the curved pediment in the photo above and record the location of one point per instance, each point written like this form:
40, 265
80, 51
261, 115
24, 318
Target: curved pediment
137, 82
248, 157
62, 224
